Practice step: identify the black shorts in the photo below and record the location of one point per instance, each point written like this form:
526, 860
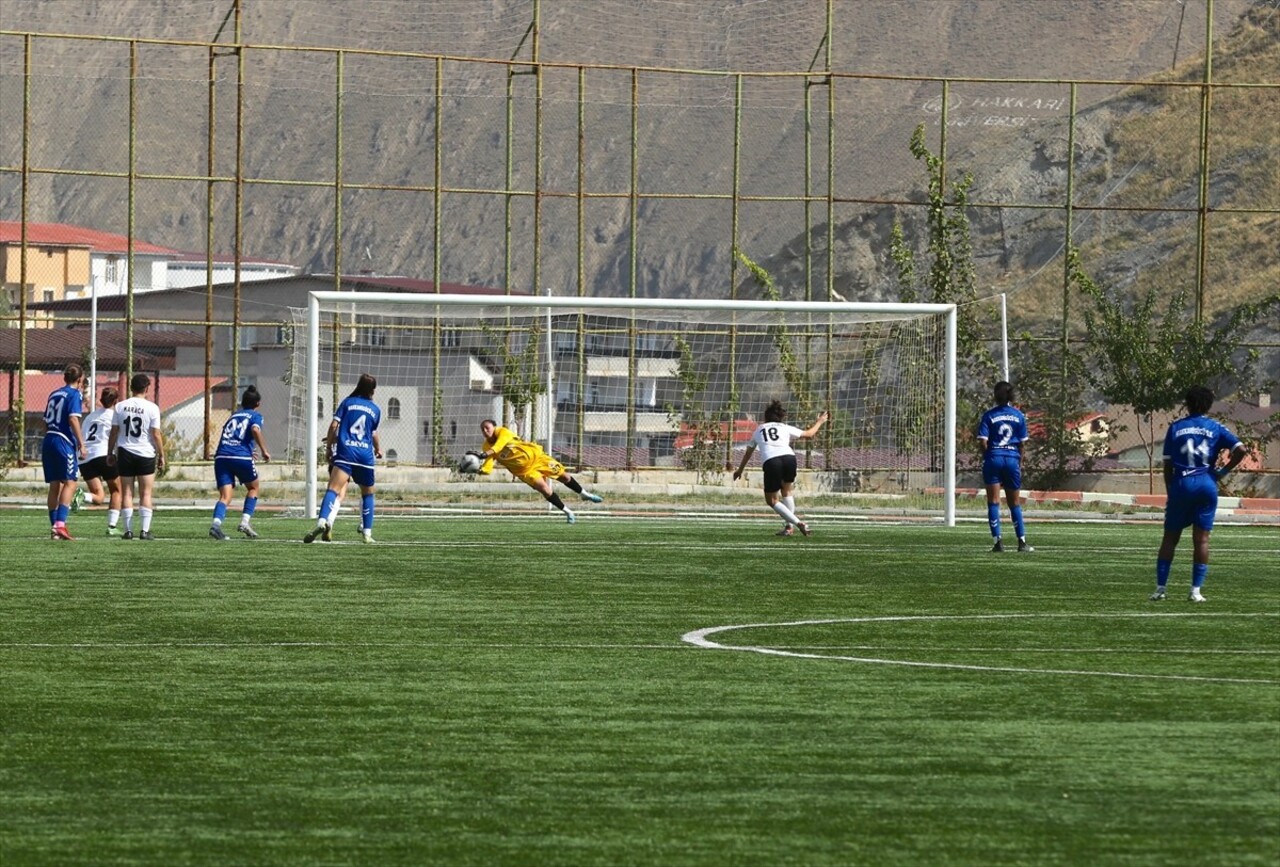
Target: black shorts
132, 465
100, 468
777, 471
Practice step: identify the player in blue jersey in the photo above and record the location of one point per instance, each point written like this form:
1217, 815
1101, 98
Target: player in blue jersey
1003, 432
352, 446
1191, 449
234, 463
63, 448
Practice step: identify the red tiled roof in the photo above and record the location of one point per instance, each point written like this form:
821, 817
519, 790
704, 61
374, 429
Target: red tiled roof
171, 391
63, 235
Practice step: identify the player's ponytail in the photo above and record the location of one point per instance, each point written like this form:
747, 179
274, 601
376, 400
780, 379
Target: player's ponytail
364, 388
775, 411
252, 399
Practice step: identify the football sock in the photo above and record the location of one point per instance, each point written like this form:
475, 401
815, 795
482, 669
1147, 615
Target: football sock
1016, 513
366, 512
790, 502
993, 519
328, 507
1198, 573
1162, 572
250, 503
146, 519
53, 517
128, 519
787, 515
554, 499
572, 484
60, 516
219, 512
113, 517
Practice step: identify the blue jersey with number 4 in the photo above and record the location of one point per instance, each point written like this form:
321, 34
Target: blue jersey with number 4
1192, 445
357, 419
237, 434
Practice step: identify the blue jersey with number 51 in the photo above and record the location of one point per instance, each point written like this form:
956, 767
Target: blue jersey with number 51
1193, 443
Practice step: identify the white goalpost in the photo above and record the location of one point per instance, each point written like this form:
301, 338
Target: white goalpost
640, 384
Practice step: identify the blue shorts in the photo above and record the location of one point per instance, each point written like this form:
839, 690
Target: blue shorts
1192, 500
1003, 470
228, 471
361, 475
59, 458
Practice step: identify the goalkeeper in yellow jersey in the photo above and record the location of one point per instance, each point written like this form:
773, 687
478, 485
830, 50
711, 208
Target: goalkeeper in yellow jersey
530, 464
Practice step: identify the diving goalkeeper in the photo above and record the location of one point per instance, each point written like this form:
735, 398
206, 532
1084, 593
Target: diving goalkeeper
530, 464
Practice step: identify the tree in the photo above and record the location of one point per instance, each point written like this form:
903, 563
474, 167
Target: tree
1146, 357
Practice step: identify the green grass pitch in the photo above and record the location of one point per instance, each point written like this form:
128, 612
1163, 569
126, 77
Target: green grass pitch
488, 690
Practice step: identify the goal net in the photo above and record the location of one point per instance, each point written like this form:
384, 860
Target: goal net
641, 384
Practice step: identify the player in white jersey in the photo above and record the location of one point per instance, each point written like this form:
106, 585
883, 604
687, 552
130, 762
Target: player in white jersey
773, 439
101, 477
137, 447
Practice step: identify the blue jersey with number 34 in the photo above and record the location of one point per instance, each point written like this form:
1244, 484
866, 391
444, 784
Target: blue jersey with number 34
1193, 443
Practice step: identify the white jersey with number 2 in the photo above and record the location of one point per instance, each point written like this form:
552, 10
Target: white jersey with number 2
773, 438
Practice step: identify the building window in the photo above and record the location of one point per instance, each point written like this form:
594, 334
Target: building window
451, 337
453, 430
393, 408
320, 407
426, 428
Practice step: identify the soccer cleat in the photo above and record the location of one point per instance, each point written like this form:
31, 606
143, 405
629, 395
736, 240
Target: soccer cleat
367, 538
53, 534
786, 531
146, 536
112, 531
1158, 596
998, 547
1024, 548
592, 498
248, 531
216, 533
570, 517
60, 532
316, 531
77, 500
128, 534
804, 529
1194, 596
327, 535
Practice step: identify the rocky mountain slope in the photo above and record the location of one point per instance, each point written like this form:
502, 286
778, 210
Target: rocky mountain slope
1131, 143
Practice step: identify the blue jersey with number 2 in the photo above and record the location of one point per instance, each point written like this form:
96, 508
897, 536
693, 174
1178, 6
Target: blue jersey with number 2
1193, 443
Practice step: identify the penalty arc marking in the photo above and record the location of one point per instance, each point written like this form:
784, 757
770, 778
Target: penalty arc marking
701, 638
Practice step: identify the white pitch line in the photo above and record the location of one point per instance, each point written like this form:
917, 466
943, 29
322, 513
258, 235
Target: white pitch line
699, 638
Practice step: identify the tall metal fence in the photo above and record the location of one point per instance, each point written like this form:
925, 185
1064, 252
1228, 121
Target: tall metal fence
561, 168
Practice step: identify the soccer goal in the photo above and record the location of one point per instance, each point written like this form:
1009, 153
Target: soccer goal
642, 384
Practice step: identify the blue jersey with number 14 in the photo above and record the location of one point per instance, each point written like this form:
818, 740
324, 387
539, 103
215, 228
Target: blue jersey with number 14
357, 419
1192, 444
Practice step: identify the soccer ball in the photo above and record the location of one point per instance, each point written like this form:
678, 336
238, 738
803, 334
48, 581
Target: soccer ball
470, 464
